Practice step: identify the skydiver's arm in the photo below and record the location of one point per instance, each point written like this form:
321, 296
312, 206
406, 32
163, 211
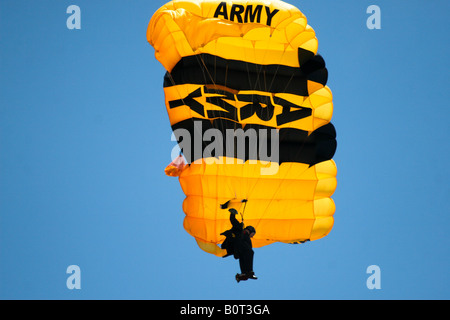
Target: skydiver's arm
233, 220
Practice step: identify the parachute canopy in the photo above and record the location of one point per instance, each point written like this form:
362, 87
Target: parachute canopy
246, 95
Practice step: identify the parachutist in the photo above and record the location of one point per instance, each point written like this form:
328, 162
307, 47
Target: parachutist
239, 244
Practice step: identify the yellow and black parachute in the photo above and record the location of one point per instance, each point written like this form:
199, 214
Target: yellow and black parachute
249, 70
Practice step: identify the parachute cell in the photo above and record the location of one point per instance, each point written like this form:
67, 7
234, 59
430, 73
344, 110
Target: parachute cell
246, 95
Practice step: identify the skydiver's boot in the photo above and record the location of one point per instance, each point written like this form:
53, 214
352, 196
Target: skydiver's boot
241, 277
251, 275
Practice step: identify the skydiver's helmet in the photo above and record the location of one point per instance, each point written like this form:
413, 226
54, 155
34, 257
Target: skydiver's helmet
250, 229
233, 211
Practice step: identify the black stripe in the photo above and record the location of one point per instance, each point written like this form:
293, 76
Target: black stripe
294, 145
240, 75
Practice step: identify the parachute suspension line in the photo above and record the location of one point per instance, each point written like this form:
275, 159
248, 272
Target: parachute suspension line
259, 72
280, 139
259, 69
207, 74
267, 112
179, 94
298, 151
182, 99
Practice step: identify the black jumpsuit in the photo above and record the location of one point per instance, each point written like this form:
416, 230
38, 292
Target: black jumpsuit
240, 244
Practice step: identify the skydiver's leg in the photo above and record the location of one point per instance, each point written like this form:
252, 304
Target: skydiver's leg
246, 262
242, 263
250, 262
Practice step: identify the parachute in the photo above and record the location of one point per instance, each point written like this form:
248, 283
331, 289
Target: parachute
246, 95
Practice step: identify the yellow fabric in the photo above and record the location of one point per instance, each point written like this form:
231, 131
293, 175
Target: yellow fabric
183, 28
291, 205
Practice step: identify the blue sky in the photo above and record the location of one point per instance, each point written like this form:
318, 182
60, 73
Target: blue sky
84, 139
